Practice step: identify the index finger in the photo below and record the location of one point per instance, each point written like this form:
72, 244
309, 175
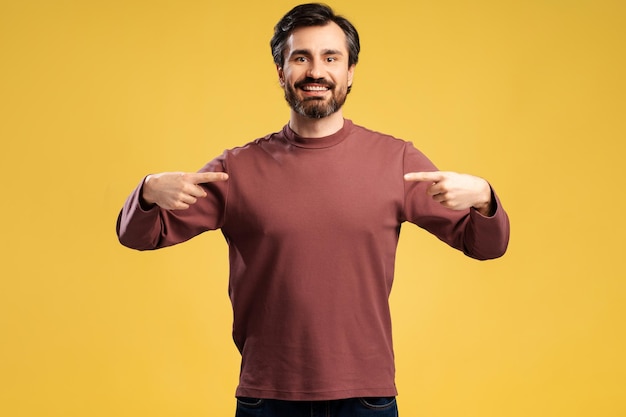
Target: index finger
203, 177
434, 176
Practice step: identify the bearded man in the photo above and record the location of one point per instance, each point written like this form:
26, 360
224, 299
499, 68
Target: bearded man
312, 215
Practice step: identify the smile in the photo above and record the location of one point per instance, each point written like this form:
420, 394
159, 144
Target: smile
314, 88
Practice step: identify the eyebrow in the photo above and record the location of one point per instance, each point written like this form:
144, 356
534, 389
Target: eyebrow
308, 52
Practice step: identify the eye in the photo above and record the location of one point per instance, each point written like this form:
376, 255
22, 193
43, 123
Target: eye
300, 59
331, 59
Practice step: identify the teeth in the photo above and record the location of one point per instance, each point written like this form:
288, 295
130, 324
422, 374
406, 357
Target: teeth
314, 88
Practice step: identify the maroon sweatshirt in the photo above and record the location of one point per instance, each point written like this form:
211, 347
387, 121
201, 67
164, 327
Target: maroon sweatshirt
312, 227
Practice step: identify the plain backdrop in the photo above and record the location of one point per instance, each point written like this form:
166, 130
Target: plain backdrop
96, 94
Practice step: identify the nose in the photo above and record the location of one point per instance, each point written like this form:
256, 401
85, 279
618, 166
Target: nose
315, 69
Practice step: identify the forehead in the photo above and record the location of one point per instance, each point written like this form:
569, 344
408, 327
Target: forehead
317, 38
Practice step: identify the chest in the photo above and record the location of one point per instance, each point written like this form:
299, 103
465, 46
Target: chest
313, 193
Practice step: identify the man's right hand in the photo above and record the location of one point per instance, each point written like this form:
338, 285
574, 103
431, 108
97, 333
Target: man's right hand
177, 190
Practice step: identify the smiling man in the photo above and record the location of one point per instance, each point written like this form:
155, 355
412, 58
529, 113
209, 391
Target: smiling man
316, 71
312, 215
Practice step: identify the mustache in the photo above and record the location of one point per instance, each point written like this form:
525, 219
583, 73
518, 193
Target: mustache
318, 81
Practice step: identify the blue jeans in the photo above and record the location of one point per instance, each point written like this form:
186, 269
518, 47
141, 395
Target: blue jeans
350, 407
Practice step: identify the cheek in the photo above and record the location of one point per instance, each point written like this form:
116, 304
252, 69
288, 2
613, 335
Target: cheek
344, 77
289, 77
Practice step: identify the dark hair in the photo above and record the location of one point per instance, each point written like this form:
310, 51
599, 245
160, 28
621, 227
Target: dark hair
312, 14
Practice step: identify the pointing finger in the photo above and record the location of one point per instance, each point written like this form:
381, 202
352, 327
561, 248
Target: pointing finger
435, 176
204, 177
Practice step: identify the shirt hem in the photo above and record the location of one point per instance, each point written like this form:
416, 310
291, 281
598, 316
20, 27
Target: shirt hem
315, 396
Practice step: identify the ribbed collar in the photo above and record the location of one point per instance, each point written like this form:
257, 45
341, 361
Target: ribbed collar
318, 143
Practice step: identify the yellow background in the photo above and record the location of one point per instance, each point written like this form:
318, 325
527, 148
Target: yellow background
96, 94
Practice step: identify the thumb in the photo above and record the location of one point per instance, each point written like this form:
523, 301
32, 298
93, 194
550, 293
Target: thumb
434, 176
203, 177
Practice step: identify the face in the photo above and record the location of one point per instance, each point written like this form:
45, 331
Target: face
315, 74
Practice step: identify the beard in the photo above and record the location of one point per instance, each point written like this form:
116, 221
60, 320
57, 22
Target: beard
315, 107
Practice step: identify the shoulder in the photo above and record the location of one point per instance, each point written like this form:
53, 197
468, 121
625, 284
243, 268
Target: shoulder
371, 134
260, 145
372, 137
256, 154
244, 153
384, 144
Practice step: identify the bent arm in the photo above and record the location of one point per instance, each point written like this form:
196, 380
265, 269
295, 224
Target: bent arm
479, 235
143, 225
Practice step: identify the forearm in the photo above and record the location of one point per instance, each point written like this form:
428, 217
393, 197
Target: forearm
144, 226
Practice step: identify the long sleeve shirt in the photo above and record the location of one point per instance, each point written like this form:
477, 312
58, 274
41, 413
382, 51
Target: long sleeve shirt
312, 227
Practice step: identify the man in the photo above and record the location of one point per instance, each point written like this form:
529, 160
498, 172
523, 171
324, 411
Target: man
312, 216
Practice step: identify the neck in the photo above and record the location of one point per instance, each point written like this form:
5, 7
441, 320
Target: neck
316, 128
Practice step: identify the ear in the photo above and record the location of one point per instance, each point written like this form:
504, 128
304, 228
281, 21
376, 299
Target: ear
351, 74
281, 75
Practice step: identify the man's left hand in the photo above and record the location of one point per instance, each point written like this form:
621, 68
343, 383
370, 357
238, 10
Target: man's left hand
456, 191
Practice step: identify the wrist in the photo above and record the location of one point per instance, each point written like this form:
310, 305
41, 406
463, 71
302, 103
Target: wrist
485, 204
145, 194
